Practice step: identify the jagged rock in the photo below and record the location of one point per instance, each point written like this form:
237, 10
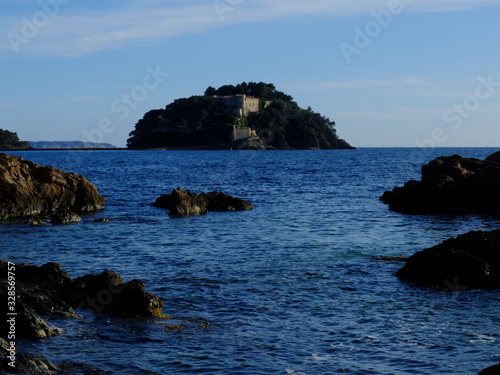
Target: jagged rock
65, 217
30, 189
30, 325
471, 260
184, 203
454, 185
25, 364
493, 370
107, 292
218, 201
48, 290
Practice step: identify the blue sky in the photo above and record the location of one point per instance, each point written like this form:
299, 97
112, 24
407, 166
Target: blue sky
389, 73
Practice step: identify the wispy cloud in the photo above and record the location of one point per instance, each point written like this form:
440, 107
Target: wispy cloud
75, 32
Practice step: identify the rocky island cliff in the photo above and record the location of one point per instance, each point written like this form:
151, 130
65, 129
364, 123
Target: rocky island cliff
246, 116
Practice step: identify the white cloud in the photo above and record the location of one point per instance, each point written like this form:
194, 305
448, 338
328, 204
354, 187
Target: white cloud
75, 32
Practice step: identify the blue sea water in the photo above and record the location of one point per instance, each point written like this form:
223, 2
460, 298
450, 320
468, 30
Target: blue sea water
291, 287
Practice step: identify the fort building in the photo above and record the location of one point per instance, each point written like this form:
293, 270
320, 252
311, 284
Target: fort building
241, 105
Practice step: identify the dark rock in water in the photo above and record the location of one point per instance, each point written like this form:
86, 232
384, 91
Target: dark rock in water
30, 189
93, 284
65, 217
39, 291
107, 292
471, 260
218, 201
48, 290
493, 370
28, 322
133, 301
185, 203
31, 325
101, 220
25, 364
451, 185
494, 157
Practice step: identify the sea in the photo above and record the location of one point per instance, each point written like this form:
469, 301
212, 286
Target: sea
295, 286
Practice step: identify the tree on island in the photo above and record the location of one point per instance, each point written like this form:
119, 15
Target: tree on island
10, 140
206, 122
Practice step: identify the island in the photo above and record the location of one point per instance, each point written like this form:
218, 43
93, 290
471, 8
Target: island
10, 141
246, 116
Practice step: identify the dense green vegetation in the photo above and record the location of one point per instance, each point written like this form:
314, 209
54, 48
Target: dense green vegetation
204, 122
10, 140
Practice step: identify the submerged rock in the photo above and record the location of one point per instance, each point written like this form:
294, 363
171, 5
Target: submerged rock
454, 185
30, 189
185, 203
471, 260
65, 217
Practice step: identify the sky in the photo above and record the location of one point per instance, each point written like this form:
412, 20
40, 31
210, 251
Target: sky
390, 73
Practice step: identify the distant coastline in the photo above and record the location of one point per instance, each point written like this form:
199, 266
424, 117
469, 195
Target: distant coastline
64, 149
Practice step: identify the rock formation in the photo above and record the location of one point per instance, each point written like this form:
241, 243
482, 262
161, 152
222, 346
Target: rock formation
471, 260
107, 292
25, 364
48, 290
185, 203
29, 189
451, 185
493, 370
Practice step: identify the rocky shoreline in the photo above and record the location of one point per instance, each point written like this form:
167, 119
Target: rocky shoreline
47, 290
